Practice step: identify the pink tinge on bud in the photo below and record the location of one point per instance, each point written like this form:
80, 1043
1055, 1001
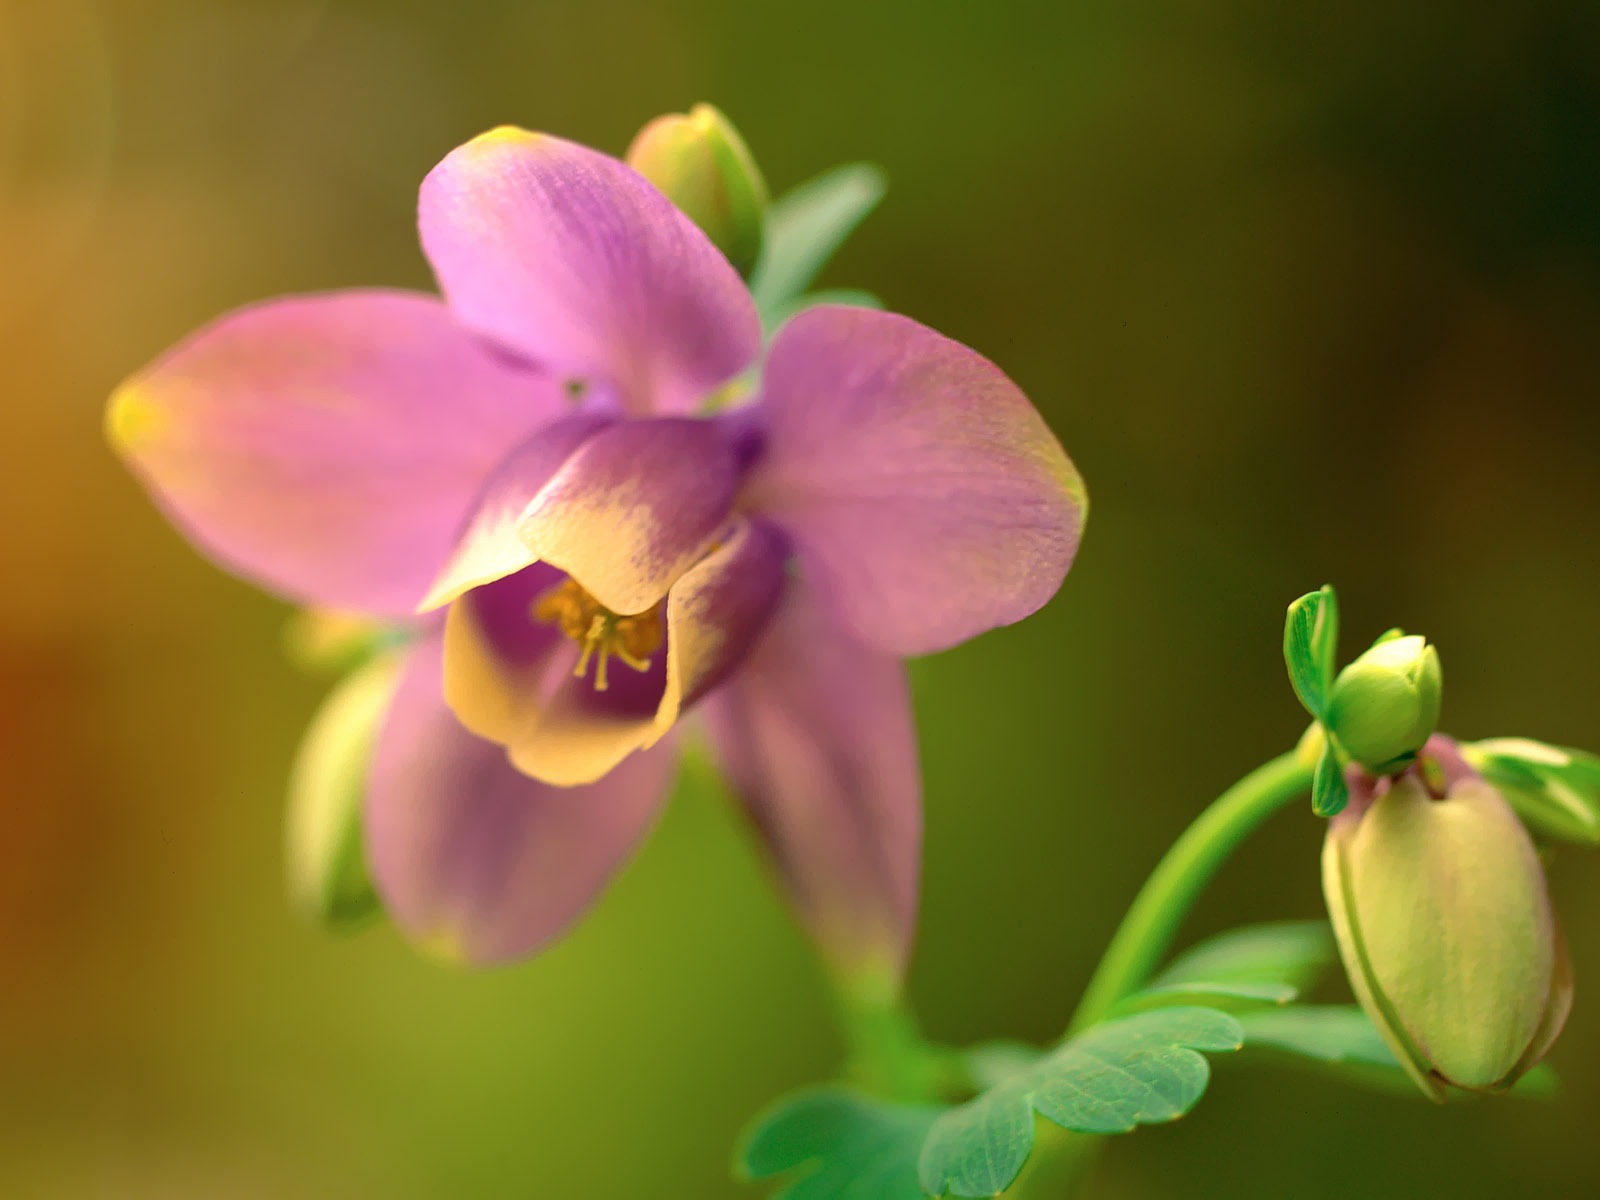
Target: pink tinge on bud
1443, 919
1439, 767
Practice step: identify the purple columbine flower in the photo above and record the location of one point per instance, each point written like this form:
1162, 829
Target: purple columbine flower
547, 454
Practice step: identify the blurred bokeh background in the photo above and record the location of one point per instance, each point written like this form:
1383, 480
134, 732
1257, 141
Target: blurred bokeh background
1310, 292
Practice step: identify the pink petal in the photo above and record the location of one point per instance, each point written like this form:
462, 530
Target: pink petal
491, 546
624, 511
480, 863
815, 734
927, 500
573, 258
328, 447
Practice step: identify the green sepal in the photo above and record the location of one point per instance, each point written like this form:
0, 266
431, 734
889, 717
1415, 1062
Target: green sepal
1329, 791
1388, 635
806, 226
832, 1144
325, 860
1310, 642
1268, 964
1112, 1078
1554, 790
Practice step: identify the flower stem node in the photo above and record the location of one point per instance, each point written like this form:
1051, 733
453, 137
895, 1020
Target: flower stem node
1385, 704
1445, 926
699, 161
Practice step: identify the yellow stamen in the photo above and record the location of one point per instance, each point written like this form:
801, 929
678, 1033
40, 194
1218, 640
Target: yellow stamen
601, 633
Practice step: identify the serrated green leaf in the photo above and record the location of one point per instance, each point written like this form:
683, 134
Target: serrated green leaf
1340, 1039
1329, 791
806, 226
849, 297
832, 1144
1328, 1033
1229, 997
1310, 641
1259, 964
1118, 1075
1292, 952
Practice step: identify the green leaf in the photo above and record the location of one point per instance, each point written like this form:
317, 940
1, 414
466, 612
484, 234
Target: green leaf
806, 226
1329, 791
1325, 1033
992, 1063
1230, 997
1259, 964
1134, 1071
1555, 790
850, 297
325, 857
1340, 1040
832, 1144
1310, 641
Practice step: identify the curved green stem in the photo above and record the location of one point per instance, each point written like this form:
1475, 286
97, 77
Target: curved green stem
1147, 931
1061, 1160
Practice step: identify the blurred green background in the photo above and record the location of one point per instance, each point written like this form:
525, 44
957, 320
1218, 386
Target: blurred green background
1310, 293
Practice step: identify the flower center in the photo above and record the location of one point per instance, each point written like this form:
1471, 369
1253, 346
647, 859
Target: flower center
601, 633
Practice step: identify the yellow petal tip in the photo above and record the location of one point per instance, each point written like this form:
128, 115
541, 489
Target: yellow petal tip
130, 418
502, 134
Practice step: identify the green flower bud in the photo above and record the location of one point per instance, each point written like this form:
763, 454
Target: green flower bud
1445, 928
702, 165
1385, 704
326, 863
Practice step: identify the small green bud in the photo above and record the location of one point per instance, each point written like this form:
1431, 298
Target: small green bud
702, 165
1385, 704
326, 862
1445, 928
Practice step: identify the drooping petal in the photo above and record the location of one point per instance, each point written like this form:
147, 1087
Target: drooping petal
499, 660
490, 547
927, 500
509, 677
573, 258
815, 734
624, 512
638, 503
476, 861
717, 612
328, 447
